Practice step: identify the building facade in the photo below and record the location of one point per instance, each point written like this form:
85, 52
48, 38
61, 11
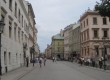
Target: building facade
76, 40
15, 36
58, 45
93, 28
66, 43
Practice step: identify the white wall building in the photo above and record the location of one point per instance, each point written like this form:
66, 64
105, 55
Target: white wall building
15, 34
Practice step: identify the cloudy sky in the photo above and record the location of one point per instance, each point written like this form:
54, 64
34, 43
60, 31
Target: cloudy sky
54, 15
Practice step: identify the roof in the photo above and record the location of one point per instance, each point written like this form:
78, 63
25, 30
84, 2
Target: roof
58, 36
76, 25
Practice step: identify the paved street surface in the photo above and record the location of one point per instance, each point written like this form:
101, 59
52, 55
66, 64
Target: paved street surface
62, 70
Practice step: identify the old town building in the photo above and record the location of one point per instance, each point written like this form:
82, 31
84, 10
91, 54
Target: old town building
94, 29
76, 39
58, 45
15, 39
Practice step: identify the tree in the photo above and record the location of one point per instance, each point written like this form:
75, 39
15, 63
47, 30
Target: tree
103, 8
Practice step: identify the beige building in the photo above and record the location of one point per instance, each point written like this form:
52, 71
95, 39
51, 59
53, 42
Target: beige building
15, 38
48, 51
93, 28
66, 43
76, 40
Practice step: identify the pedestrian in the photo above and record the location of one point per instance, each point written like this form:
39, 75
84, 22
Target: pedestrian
27, 61
53, 59
44, 61
34, 60
40, 61
100, 63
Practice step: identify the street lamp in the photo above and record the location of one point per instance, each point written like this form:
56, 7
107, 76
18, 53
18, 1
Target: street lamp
103, 39
1, 30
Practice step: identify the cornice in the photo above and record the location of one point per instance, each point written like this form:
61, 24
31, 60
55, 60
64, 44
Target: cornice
23, 7
88, 13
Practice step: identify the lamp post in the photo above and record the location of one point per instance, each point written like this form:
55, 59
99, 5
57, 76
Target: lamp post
1, 30
103, 50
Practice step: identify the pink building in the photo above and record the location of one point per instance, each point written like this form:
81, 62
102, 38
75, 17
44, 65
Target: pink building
93, 28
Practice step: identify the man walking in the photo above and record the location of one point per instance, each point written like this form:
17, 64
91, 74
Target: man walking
40, 61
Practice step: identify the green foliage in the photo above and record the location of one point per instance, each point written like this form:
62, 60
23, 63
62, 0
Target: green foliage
103, 8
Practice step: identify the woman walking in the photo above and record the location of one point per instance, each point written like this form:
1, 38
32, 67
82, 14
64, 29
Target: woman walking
40, 61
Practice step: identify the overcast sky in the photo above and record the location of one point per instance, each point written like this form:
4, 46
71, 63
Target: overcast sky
54, 15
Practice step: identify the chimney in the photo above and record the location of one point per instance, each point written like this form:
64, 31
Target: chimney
61, 33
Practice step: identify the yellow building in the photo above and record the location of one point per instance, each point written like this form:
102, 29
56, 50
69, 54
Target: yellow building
58, 45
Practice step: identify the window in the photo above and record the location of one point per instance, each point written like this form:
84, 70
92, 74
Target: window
15, 33
95, 33
81, 26
84, 23
58, 49
22, 36
104, 21
15, 9
97, 51
88, 50
19, 36
10, 4
87, 21
9, 58
9, 29
88, 34
85, 50
105, 33
58, 43
84, 36
19, 15
94, 20
22, 20
5, 61
2, 18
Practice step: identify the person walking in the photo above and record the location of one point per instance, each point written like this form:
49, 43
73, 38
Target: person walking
44, 61
34, 60
53, 59
27, 61
100, 63
40, 61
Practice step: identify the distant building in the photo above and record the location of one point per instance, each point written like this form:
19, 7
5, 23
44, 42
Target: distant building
58, 45
76, 40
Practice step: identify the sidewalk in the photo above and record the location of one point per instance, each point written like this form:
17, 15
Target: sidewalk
96, 68
18, 73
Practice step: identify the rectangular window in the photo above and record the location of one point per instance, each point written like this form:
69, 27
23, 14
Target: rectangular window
22, 20
105, 33
94, 20
81, 26
88, 50
104, 21
15, 33
88, 34
84, 23
97, 51
58, 43
5, 61
95, 33
10, 4
15, 9
87, 21
19, 36
9, 58
19, 15
9, 29
22, 36
58, 49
